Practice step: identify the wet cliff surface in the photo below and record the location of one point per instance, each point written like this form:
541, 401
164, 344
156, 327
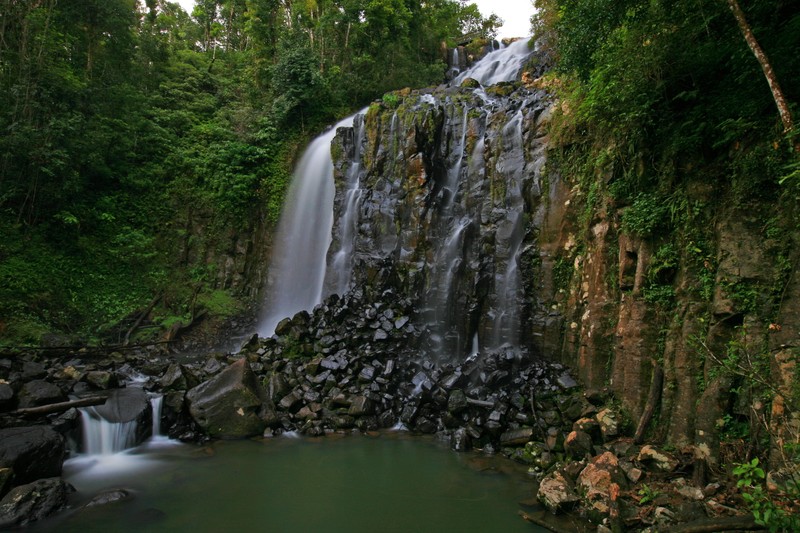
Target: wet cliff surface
451, 193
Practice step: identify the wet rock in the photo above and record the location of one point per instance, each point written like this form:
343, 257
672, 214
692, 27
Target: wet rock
578, 445
126, 405
177, 377
34, 501
367, 374
554, 440
109, 496
687, 491
39, 392
426, 425
557, 493
212, 366
457, 402
516, 437
31, 370
6, 480
596, 484
460, 440
343, 422
566, 382
656, 460
232, 404
102, 379
591, 427
31, 452
277, 387
6, 397
609, 424
291, 402
360, 406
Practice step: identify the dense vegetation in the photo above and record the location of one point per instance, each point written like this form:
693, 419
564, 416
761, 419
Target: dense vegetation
667, 126
126, 125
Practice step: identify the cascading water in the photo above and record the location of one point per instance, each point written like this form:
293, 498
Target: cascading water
101, 437
498, 66
342, 262
298, 265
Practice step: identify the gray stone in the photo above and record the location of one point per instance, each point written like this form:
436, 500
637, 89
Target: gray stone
657, 460
39, 392
6, 397
109, 496
578, 444
566, 382
232, 404
460, 440
102, 379
557, 494
361, 406
31, 452
516, 437
34, 501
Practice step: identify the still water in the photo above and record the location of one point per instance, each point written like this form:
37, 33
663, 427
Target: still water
355, 483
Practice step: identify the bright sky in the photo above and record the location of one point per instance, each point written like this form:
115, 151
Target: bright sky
515, 13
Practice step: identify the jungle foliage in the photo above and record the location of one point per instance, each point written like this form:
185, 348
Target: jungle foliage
126, 122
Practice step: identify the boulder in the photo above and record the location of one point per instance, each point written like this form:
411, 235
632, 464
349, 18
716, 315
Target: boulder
578, 444
557, 493
126, 405
516, 437
609, 424
657, 460
109, 496
232, 404
34, 501
177, 378
40, 392
460, 440
31, 452
102, 379
599, 484
6, 397
361, 406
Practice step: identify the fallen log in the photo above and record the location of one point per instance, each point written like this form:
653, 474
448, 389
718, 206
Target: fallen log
59, 407
713, 525
652, 402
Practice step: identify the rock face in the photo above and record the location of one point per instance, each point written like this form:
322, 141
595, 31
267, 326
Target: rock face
31, 452
448, 196
232, 404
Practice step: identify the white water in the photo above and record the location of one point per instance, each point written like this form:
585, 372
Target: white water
101, 437
297, 270
342, 262
500, 65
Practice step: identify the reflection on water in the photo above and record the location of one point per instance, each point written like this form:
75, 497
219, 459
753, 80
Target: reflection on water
355, 484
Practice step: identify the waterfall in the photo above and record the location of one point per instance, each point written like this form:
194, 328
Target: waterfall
298, 266
101, 437
497, 66
155, 403
342, 262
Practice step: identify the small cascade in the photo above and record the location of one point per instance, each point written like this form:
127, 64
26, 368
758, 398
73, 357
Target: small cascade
101, 437
342, 262
498, 66
155, 403
298, 265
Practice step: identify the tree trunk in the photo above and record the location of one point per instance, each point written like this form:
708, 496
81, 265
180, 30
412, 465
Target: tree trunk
772, 80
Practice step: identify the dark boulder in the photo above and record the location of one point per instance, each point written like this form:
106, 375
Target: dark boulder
31, 452
6, 397
40, 392
232, 404
34, 501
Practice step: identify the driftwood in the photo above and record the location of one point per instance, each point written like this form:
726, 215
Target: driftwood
59, 407
652, 401
480, 403
141, 317
713, 525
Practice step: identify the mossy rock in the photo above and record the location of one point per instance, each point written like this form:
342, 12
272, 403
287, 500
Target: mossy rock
502, 89
470, 83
